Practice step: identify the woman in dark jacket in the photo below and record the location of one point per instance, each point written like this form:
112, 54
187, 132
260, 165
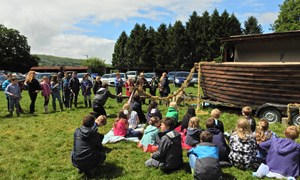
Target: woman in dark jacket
33, 89
136, 105
186, 118
88, 150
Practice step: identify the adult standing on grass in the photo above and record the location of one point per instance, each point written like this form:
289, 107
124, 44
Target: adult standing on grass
143, 83
119, 84
74, 87
86, 87
33, 89
88, 151
164, 88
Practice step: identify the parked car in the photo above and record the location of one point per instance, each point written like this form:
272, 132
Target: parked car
112, 77
94, 75
195, 79
132, 74
180, 77
148, 76
171, 76
105, 78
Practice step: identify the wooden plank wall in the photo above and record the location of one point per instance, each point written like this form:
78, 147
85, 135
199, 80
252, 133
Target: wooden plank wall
251, 84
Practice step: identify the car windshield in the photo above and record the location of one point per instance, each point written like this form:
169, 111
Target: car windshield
171, 74
148, 75
182, 74
80, 75
114, 75
105, 76
41, 75
131, 73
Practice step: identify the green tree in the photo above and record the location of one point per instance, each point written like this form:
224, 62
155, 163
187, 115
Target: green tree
192, 29
161, 48
251, 26
135, 46
15, 51
216, 33
96, 64
119, 54
148, 59
289, 16
178, 45
234, 26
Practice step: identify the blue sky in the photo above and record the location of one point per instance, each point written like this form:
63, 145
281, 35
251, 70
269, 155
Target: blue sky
74, 28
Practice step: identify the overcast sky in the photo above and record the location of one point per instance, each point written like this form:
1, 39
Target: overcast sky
76, 28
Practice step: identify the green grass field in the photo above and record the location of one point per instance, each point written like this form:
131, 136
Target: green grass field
38, 146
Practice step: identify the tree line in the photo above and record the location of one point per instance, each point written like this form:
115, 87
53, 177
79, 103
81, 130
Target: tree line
178, 46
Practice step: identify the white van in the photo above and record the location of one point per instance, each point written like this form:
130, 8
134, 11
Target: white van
132, 74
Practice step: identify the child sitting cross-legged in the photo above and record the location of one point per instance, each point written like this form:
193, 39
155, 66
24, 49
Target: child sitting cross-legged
243, 146
193, 132
262, 134
121, 126
169, 154
218, 140
283, 159
150, 133
204, 158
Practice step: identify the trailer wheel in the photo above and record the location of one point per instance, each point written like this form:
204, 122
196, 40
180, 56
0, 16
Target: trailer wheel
296, 118
272, 115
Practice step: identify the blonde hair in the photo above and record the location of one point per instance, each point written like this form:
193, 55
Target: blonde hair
30, 76
127, 107
291, 132
242, 128
98, 78
162, 76
194, 122
215, 113
261, 133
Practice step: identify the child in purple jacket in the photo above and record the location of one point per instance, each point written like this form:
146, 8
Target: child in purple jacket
283, 159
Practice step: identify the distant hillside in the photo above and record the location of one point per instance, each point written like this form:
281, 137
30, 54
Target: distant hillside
47, 60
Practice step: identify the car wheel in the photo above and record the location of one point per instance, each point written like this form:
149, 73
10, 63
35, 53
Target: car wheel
272, 115
296, 118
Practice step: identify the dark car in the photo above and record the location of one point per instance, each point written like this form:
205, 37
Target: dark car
180, 77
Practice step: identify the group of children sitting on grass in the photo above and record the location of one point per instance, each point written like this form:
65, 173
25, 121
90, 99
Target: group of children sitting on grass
247, 147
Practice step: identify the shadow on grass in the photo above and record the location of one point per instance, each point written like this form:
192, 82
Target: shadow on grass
107, 149
228, 176
112, 116
108, 171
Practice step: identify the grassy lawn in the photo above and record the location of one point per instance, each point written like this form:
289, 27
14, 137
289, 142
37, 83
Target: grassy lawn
38, 146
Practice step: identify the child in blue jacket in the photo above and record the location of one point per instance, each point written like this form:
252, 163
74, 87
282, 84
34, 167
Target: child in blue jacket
204, 158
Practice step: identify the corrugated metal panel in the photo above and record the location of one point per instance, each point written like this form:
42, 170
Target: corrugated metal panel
251, 83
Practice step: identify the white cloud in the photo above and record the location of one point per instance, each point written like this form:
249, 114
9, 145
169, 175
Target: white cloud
265, 19
50, 25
